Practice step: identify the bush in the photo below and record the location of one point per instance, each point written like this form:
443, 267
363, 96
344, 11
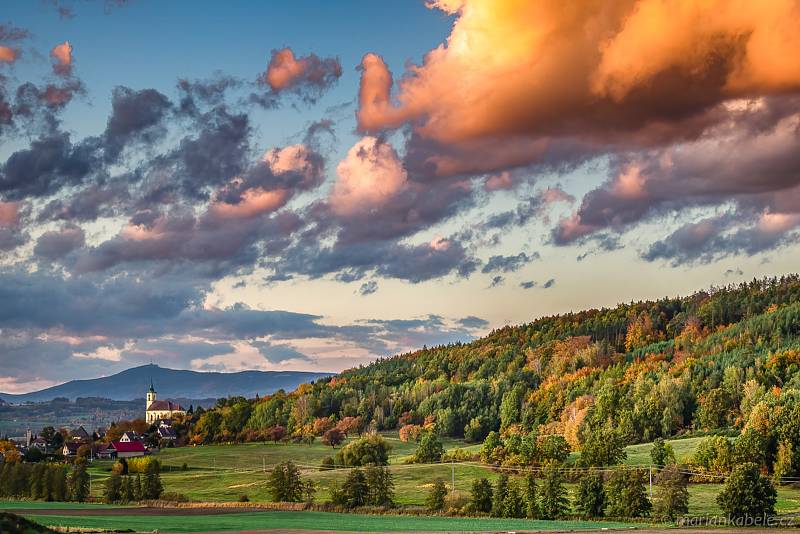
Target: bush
662, 453
244, 498
327, 463
333, 437
481, 494
284, 483
747, 494
140, 464
173, 496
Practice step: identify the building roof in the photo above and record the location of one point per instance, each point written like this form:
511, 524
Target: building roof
128, 446
167, 432
80, 432
163, 406
72, 447
131, 435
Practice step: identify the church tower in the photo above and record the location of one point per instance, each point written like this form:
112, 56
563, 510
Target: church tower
151, 394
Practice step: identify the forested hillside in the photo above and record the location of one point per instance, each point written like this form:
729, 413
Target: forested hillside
725, 358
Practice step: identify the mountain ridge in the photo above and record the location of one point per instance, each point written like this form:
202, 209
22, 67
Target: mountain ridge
132, 384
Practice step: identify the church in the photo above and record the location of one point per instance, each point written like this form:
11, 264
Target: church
160, 409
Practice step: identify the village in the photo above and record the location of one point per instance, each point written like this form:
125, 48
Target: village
121, 439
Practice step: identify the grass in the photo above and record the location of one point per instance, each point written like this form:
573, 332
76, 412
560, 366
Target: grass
314, 521
640, 454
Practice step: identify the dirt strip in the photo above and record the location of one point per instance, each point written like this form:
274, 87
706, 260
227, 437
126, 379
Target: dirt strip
139, 510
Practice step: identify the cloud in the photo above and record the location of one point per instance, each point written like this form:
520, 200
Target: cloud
368, 178
8, 54
497, 281
368, 288
508, 264
473, 323
135, 116
56, 244
550, 283
527, 285
307, 77
62, 59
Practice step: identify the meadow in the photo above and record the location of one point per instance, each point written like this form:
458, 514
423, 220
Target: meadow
228, 472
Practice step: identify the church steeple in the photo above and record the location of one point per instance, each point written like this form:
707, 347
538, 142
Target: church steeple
151, 394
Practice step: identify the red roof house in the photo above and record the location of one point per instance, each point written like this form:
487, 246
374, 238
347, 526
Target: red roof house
128, 449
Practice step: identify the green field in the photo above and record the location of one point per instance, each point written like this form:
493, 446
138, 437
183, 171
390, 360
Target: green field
310, 521
226, 472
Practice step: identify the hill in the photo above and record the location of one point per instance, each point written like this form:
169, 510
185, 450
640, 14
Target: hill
171, 383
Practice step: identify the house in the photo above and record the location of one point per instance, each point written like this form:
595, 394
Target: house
80, 434
167, 432
128, 449
129, 436
104, 451
70, 448
160, 409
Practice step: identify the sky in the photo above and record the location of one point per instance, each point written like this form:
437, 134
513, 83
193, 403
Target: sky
314, 185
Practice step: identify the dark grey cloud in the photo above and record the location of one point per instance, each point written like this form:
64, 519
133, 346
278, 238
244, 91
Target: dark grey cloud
57, 244
279, 353
497, 281
530, 284
508, 264
550, 283
473, 323
136, 117
368, 288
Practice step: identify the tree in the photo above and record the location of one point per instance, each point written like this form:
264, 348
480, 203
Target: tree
531, 497
355, 490
602, 446
275, 433
128, 494
380, 486
590, 500
555, 448
626, 493
510, 407
333, 437
481, 495
747, 494
784, 464
436, 497
514, 502
151, 485
554, 495
713, 410
491, 442
371, 449
113, 492
137, 488
499, 496
662, 453
410, 433
79, 481
284, 483
429, 450
672, 494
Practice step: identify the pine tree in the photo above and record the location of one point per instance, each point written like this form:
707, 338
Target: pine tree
137, 488
355, 489
531, 497
437, 496
554, 494
514, 503
747, 494
127, 489
482, 495
79, 481
380, 486
151, 485
113, 492
499, 497
591, 497
672, 497
627, 494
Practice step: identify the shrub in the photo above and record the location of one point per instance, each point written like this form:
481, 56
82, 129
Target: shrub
284, 483
140, 464
430, 449
662, 453
333, 437
481, 495
244, 498
174, 496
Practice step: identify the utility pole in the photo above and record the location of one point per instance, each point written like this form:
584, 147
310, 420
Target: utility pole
651, 482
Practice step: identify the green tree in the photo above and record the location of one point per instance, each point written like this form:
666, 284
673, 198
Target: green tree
553, 448
590, 500
481, 493
747, 494
137, 488
662, 453
510, 407
429, 450
491, 442
355, 489
436, 497
113, 491
784, 461
151, 484
514, 503
602, 446
371, 449
127, 489
672, 493
380, 486
284, 483
626, 493
531, 497
499, 496
79, 481
554, 501
713, 410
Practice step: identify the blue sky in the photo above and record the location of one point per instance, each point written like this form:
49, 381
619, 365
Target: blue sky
340, 181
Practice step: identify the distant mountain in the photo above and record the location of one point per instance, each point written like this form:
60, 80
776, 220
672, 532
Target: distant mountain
171, 383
